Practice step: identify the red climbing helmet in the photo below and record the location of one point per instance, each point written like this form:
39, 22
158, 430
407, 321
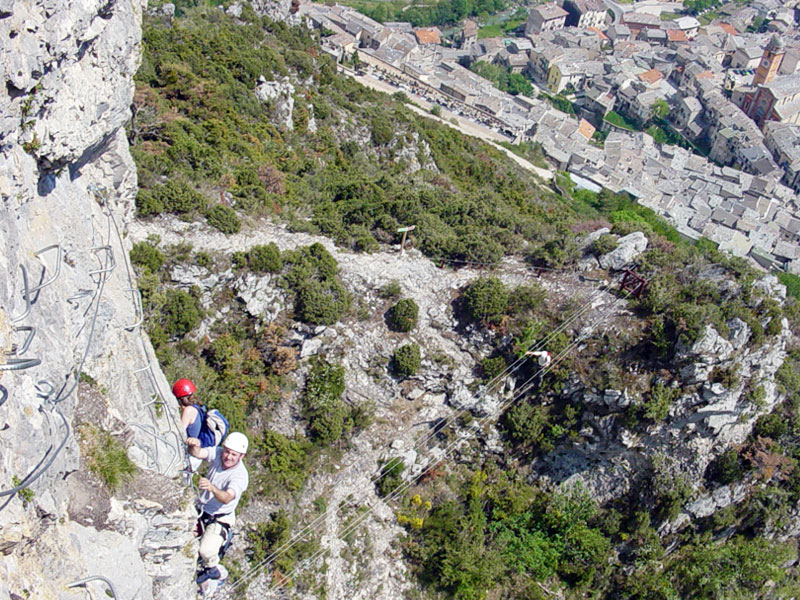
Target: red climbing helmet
183, 388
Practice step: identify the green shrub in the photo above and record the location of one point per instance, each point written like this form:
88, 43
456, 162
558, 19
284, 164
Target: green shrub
288, 460
321, 303
175, 197
239, 260
486, 300
106, 456
25, 494
771, 426
180, 314
320, 299
792, 283
492, 367
203, 259
148, 204
265, 258
391, 476
525, 299
390, 290
224, 219
382, 131
556, 253
604, 244
727, 467
657, 405
273, 536
327, 414
363, 241
146, 255
403, 315
527, 424
407, 360
670, 487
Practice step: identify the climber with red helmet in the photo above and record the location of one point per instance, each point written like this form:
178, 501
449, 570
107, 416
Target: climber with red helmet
191, 417
208, 426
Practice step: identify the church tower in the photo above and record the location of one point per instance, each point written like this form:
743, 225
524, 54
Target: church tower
770, 61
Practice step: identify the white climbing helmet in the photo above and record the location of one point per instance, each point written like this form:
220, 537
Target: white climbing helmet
236, 441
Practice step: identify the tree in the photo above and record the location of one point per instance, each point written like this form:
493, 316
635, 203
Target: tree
403, 315
486, 300
660, 108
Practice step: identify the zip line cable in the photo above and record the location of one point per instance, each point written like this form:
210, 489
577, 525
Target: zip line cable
387, 466
523, 390
397, 492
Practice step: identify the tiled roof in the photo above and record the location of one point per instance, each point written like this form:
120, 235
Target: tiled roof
651, 76
428, 35
586, 129
550, 11
676, 35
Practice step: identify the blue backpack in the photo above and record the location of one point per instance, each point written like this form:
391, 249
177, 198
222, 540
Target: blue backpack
213, 427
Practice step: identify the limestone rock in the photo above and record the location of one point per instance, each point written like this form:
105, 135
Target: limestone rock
630, 246
709, 348
281, 95
739, 333
262, 298
590, 238
770, 286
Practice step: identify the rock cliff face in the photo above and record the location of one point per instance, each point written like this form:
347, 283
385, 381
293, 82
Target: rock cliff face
73, 358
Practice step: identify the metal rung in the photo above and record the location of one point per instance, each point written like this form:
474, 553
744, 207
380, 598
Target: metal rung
20, 364
113, 264
27, 343
137, 304
26, 294
58, 267
80, 294
83, 582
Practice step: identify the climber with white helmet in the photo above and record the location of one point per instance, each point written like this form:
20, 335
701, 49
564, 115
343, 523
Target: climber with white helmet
220, 491
542, 357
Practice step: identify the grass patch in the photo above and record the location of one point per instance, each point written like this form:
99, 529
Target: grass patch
706, 18
106, 456
490, 31
792, 283
617, 119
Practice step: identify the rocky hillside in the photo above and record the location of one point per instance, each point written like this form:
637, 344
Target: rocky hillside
662, 436
403, 445
78, 381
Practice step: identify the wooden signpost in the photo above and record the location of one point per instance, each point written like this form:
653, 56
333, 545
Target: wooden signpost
404, 231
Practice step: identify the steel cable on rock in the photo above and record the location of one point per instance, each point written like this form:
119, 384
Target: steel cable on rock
103, 274
401, 488
37, 471
295, 539
102, 194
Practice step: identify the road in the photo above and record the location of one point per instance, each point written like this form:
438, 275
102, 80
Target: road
458, 122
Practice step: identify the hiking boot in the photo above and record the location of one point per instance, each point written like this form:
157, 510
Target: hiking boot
210, 573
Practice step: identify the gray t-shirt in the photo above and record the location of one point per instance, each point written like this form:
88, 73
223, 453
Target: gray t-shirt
234, 479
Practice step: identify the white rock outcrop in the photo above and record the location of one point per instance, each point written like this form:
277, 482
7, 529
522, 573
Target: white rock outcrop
630, 246
67, 184
281, 95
